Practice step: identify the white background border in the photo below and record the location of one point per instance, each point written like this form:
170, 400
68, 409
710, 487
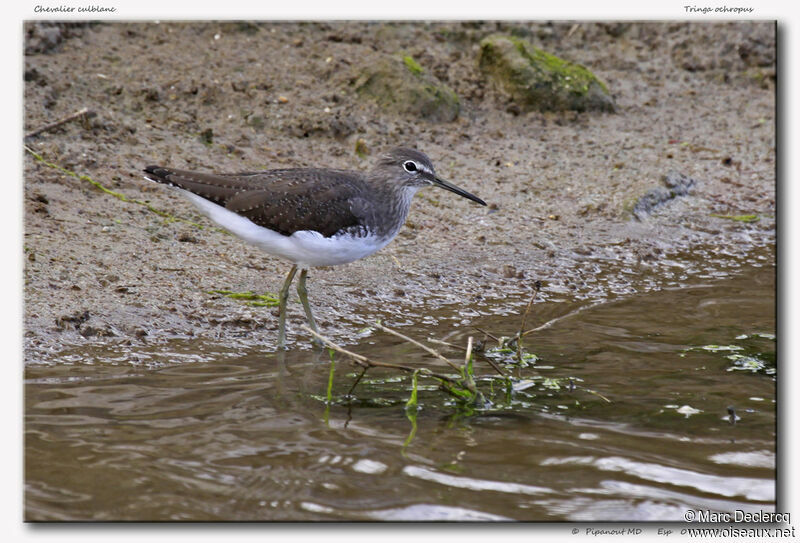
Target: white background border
11, 216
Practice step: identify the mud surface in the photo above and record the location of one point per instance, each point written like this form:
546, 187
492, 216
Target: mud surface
697, 99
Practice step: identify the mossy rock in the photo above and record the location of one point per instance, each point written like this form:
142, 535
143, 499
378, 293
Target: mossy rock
537, 80
402, 85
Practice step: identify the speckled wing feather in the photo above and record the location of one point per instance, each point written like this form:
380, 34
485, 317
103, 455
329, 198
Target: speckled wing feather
285, 201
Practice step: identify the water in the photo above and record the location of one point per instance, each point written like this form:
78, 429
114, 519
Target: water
626, 418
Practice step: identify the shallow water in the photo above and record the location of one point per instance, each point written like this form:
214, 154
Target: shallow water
626, 418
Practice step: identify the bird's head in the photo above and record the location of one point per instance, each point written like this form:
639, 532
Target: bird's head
412, 168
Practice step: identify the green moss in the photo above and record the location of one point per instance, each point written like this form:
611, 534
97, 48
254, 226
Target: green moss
361, 148
412, 65
540, 80
573, 77
740, 218
252, 299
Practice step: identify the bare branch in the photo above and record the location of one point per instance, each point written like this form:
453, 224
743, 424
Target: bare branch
363, 361
418, 344
446, 344
482, 331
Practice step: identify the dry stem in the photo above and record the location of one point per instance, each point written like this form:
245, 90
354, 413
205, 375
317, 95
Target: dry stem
536, 287
425, 348
365, 362
459, 347
85, 112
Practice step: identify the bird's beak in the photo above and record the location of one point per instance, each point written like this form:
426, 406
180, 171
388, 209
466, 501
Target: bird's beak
461, 192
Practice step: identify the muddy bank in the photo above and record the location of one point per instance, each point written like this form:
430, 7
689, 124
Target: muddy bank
693, 99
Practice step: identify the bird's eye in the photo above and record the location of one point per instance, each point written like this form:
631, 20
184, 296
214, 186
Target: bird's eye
410, 166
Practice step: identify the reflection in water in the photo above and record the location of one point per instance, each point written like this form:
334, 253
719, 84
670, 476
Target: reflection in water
456, 481
252, 437
751, 489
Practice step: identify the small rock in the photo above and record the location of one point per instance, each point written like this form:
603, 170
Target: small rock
407, 88
152, 95
72, 321
207, 136
336, 125
675, 184
41, 208
32, 74
45, 37
757, 52
615, 29
87, 330
510, 272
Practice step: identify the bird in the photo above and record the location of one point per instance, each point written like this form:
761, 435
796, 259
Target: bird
311, 216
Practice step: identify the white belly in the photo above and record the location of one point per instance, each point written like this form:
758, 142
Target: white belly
305, 248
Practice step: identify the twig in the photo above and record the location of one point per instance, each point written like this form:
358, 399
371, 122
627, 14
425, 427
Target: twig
460, 348
494, 366
572, 30
468, 381
425, 348
564, 316
85, 112
446, 344
597, 394
482, 331
358, 380
363, 361
536, 287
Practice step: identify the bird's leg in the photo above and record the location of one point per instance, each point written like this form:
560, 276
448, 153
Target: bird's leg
303, 293
282, 298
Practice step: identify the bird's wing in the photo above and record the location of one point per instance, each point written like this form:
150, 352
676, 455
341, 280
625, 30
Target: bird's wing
285, 201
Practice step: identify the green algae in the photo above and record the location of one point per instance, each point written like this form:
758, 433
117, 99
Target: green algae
738, 218
252, 299
115, 194
412, 65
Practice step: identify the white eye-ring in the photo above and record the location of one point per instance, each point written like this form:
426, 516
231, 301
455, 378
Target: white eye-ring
410, 166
